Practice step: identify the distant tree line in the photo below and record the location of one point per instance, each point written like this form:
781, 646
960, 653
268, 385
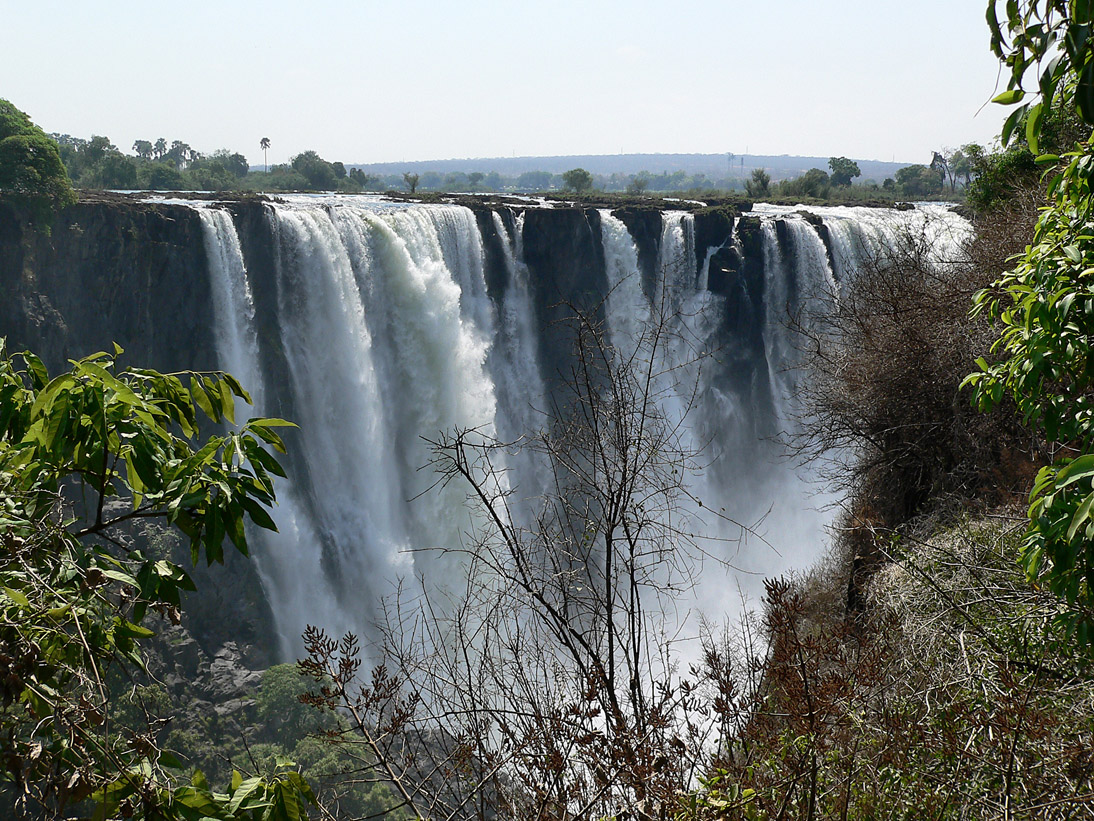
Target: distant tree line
161, 165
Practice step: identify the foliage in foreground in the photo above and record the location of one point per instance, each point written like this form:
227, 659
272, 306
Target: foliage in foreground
81, 455
1045, 304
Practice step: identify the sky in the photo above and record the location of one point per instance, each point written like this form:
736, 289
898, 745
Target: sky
364, 81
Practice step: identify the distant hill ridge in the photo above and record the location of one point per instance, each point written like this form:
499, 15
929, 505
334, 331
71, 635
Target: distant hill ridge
716, 166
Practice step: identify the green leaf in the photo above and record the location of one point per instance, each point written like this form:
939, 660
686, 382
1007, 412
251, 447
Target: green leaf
1009, 97
244, 791
1033, 125
1080, 468
17, 597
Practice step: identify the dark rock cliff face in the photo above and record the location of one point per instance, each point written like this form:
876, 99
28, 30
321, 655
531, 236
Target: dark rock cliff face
127, 273
644, 225
565, 257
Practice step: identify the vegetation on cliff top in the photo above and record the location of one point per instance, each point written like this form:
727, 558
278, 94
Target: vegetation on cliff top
31, 171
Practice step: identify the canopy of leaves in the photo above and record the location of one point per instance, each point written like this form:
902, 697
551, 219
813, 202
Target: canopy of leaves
31, 171
81, 455
843, 170
577, 180
1045, 305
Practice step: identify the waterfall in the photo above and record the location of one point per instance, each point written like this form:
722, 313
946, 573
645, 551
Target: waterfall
289, 564
377, 332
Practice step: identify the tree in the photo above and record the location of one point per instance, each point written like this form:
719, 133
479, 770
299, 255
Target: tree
143, 149
180, 154
577, 180
918, 181
159, 150
411, 181
813, 183
234, 163
319, 173
31, 171
474, 178
1044, 305
638, 184
843, 171
160, 176
760, 184
76, 595
534, 181
116, 171
264, 144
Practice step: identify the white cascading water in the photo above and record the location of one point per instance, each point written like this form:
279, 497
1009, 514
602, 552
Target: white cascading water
290, 567
389, 336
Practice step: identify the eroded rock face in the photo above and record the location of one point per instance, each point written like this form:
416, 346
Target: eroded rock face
131, 273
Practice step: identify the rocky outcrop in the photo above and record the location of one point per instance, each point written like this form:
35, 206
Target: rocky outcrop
644, 225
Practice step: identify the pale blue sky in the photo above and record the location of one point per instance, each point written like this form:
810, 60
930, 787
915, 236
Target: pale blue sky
389, 81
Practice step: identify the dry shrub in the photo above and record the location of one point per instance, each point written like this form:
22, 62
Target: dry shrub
955, 703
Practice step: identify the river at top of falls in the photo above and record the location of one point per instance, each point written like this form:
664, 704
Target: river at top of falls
389, 336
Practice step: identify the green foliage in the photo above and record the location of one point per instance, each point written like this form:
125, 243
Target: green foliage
14, 122
917, 181
125, 445
411, 181
843, 171
319, 173
1051, 38
759, 185
639, 184
577, 180
813, 183
534, 181
31, 171
160, 176
1045, 307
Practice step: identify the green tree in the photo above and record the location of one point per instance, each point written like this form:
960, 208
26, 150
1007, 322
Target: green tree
319, 173
577, 180
843, 171
813, 183
232, 162
75, 596
117, 171
638, 184
918, 181
1044, 359
143, 149
159, 150
264, 144
534, 181
161, 176
411, 181
760, 184
31, 171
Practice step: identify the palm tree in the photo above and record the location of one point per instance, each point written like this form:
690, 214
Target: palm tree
264, 143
